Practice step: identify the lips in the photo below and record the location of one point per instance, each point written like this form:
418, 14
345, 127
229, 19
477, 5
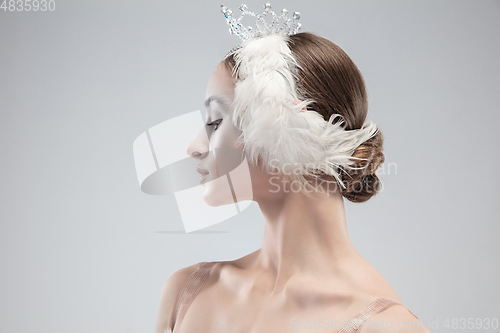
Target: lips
201, 171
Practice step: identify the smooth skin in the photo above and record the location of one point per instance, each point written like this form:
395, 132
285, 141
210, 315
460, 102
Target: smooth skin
306, 270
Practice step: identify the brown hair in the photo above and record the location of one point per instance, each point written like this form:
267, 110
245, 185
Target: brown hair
330, 78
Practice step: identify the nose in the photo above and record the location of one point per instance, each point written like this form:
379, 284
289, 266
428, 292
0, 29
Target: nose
198, 147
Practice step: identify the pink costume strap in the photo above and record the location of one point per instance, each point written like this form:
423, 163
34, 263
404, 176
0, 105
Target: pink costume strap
189, 292
355, 323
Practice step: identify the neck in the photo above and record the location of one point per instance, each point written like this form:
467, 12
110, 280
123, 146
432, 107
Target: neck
304, 235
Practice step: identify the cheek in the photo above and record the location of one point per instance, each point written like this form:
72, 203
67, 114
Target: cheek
227, 155
225, 136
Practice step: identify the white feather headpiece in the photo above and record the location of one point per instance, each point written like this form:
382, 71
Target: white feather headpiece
277, 126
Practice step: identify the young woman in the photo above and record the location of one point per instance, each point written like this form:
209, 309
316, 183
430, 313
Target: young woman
307, 275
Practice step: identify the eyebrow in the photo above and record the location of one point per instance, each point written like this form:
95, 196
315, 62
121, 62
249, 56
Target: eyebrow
215, 98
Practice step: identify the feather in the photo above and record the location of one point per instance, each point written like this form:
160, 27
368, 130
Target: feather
274, 126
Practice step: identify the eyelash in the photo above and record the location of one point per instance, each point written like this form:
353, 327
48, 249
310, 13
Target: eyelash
216, 122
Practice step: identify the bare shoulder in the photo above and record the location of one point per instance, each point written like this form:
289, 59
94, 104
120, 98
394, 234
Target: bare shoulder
396, 319
169, 296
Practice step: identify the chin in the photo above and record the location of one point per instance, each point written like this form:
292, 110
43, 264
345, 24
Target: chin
217, 192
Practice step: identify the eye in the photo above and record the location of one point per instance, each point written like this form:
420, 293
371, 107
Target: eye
215, 122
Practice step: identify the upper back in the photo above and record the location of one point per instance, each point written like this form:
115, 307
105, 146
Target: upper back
198, 274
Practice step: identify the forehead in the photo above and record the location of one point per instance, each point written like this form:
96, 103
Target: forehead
221, 83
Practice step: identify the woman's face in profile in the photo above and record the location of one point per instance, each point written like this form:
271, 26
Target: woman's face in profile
215, 147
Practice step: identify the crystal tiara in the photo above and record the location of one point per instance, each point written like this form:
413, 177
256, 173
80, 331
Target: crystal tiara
280, 23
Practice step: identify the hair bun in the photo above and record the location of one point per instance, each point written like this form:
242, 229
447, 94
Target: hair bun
363, 183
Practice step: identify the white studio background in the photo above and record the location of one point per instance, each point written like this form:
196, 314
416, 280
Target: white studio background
82, 249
